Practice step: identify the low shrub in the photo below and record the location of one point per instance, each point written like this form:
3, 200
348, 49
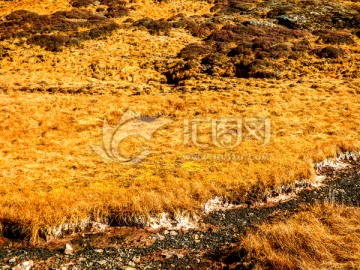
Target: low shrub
257, 69
78, 14
330, 52
154, 26
53, 43
224, 36
117, 11
333, 37
81, 3
194, 51
103, 31
202, 30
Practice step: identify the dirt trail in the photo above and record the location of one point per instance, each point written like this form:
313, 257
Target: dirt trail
209, 246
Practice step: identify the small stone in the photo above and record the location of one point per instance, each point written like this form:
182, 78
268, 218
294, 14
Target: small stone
179, 256
196, 236
166, 232
24, 266
136, 259
131, 263
102, 262
13, 260
68, 249
82, 259
99, 250
173, 233
128, 268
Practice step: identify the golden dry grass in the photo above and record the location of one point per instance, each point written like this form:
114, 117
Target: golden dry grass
324, 237
50, 176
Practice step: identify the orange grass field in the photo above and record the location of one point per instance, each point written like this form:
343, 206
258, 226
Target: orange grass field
49, 174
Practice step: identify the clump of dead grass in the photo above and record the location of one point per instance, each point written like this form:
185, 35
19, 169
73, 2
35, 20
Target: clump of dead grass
323, 237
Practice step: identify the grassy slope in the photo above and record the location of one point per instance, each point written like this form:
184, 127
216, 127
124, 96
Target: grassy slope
50, 176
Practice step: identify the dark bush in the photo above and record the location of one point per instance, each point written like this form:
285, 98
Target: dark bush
129, 20
43, 30
113, 3
358, 34
22, 15
257, 69
81, 3
194, 51
330, 52
223, 36
202, 30
301, 46
179, 16
103, 31
154, 26
275, 52
231, 6
244, 48
117, 11
332, 37
78, 14
53, 43
182, 71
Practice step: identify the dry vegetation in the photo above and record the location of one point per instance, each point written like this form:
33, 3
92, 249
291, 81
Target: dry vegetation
66, 67
324, 237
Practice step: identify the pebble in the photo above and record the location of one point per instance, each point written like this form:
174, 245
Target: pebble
173, 233
136, 259
68, 249
102, 262
179, 256
24, 266
13, 260
99, 250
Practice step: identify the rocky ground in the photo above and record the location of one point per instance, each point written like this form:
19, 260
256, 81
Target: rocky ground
210, 246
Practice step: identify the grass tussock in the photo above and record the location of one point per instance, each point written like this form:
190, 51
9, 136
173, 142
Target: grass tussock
324, 237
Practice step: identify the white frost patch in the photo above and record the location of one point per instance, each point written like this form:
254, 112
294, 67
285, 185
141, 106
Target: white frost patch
219, 204
73, 227
181, 221
338, 162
